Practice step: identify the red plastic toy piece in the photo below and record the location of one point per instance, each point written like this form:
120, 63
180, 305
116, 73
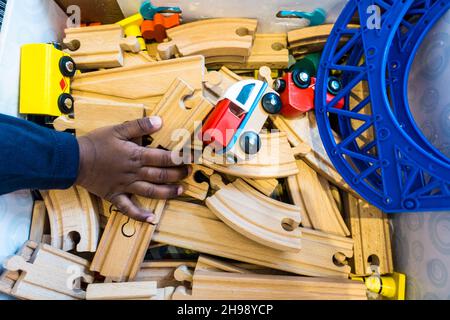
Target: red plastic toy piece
222, 124
295, 100
156, 29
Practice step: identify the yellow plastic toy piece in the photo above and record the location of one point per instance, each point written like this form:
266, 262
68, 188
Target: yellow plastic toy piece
391, 287
132, 28
42, 83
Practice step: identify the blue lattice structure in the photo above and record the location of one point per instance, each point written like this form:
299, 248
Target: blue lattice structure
381, 152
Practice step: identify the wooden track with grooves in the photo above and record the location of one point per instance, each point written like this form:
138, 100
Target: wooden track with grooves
217, 285
313, 194
195, 227
304, 131
211, 37
267, 221
142, 81
311, 39
179, 121
42, 272
124, 243
73, 211
274, 160
372, 237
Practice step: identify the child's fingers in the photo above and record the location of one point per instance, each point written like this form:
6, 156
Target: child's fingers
154, 191
160, 158
138, 128
128, 208
164, 175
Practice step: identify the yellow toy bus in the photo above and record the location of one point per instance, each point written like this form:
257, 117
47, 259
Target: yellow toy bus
45, 77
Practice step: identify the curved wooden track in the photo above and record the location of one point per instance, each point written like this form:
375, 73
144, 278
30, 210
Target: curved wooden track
267, 221
196, 228
274, 160
73, 211
211, 37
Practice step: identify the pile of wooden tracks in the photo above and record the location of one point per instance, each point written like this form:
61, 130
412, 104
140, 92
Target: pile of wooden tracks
283, 225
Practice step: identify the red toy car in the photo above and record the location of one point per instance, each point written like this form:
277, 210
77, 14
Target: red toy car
234, 125
297, 90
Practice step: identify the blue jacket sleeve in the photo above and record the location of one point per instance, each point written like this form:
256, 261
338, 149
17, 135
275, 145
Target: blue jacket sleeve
33, 157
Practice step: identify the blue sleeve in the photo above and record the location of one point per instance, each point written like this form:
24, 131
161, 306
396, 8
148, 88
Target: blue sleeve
33, 157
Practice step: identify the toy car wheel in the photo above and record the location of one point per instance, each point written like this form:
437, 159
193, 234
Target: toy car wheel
250, 142
66, 103
67, 66
271, 103
301, 78
334, 85
279, 85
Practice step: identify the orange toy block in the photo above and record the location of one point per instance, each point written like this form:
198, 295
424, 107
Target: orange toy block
156, 29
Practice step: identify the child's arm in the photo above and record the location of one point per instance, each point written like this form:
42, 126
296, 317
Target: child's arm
106, 162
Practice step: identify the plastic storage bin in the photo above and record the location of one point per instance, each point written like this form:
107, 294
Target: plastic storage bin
421, 241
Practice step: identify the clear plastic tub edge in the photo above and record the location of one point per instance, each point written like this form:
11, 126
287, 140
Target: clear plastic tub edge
382, 154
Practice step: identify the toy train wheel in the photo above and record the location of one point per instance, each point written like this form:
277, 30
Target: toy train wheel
334, 85
271, 103
66, 103
250, 142
301, 79
279, 85
67, 66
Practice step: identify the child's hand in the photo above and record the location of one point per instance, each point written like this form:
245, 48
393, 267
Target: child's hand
113, 167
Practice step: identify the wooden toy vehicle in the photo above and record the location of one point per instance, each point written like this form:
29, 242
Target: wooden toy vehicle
297, 91
45, 77
233, 126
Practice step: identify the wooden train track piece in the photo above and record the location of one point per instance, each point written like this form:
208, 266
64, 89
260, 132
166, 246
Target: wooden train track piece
216, 285
38, 222
304, 131
211, 37
371, 234
163, 272
180, 121
194, 185
311, 39
321, 210
73, 212
91, 114
265, 186
195, 227
269, 49
269, 222
42, 272
142, 81
143, 290
148, 102
124, 243
208, 263
136, 59
274, 160
99, 46
217, 83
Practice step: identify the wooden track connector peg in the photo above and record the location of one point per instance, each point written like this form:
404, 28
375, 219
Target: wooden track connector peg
99, 46
197, 184
262, 219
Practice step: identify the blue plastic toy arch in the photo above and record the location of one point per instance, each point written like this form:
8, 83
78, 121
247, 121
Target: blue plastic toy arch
382, 154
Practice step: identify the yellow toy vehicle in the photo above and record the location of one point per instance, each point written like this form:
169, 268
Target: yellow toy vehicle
45, 74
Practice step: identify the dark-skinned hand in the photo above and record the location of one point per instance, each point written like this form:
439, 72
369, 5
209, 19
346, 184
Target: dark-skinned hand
114, 167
